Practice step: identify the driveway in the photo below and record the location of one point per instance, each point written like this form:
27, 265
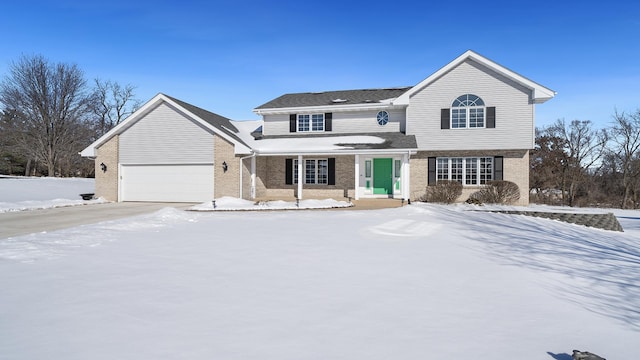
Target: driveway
32, 221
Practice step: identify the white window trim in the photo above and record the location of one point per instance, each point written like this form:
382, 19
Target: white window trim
310, 122
477, 160
304, 172
467, 118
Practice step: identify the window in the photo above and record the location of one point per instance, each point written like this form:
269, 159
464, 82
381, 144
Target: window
316, 171
382, 118
467, 171
303, 122
313, 122
467, 111
367, 168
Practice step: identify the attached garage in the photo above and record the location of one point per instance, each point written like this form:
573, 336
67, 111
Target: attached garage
166, 183
168, 151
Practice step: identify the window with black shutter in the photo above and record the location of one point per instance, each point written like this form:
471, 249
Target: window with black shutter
491, 117
445, 118
328, 121
498, 174
288, 172
332, 171
431, 177
293, 122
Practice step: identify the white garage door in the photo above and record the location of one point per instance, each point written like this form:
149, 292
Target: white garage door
167, 183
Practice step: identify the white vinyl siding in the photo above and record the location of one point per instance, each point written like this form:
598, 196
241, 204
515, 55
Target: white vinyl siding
367, 122
351, 122
514, 111
165, 136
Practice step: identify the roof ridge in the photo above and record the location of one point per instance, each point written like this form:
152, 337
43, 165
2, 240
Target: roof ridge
346, 90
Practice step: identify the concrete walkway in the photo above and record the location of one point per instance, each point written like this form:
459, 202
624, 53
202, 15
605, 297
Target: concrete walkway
32, 221
374, 204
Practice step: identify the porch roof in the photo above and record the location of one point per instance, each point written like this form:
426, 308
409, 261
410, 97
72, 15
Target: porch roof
342, 144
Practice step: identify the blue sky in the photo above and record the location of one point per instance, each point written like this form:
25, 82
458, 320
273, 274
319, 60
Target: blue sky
230, 57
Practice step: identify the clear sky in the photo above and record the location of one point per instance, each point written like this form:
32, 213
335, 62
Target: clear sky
232, 56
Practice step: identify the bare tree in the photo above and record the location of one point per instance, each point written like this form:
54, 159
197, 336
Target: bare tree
112, 103
584, 147
546, 164
50, 103
625, 149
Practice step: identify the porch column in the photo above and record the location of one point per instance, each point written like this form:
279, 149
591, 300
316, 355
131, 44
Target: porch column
356, 180
253, 177
406, 174
300, 176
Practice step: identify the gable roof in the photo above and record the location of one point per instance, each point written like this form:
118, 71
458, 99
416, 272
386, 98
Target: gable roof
540, 93
217, 121
214, 122
334, 98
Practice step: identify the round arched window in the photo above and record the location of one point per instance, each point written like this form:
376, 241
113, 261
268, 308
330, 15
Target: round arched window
467, 111
382, 118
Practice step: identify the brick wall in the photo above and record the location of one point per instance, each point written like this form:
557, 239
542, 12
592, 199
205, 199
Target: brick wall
107, 182
226, 182
515, 169
271, 180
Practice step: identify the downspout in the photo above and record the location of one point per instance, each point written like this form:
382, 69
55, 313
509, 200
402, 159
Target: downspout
241, 170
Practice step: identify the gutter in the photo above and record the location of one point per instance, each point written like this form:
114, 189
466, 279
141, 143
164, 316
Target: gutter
337, 152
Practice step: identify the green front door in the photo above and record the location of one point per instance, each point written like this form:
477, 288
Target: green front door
383, 176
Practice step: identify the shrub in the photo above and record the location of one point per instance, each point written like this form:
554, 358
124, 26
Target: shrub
473, 201
443, 192
497, 192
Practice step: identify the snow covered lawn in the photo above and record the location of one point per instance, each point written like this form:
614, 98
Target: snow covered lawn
28, 193
417, 282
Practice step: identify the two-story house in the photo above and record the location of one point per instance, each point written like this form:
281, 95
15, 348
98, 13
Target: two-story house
471, 121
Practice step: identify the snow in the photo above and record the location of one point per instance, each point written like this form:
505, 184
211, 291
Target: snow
29, 193
311, 144
231, 204
420, 281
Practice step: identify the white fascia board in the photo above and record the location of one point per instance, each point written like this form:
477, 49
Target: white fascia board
540, 93
336, 152
326, 108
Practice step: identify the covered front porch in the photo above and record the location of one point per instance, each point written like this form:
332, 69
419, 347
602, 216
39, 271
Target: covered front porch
364, 175
338, 166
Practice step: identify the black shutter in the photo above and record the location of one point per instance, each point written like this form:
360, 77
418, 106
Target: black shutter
431, 177
331, 168
445, 118
328, 119
293, 122
497, 168
288, 171
491, 117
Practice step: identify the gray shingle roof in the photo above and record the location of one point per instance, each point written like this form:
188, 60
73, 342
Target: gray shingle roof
219, 122
342, 97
